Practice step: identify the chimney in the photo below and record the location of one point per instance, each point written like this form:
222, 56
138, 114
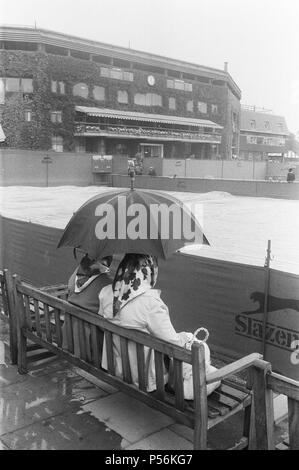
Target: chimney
226, 66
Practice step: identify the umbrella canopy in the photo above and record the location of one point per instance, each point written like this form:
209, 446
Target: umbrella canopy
132, 221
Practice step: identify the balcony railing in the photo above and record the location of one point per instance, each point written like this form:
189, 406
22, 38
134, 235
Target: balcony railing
137, 132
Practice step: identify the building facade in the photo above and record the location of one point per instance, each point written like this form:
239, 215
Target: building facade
263, 136
65, 93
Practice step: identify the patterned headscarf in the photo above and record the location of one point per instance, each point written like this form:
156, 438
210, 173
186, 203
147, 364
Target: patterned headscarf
135, 275
89, 269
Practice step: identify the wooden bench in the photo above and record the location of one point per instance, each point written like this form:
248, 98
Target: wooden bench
200, 414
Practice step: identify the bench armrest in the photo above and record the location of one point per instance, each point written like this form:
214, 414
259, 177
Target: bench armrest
233, 368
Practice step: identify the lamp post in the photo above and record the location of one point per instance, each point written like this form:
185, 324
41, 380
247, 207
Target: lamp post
47, 161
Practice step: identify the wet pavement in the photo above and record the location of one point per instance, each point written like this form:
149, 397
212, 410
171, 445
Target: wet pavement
57, 407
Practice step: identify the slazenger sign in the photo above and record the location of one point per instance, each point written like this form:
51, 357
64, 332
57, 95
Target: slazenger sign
278, 336
284, 338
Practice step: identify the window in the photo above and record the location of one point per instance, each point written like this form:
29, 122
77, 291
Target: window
53, 86
234, 121
202, 107
252, 124
190, 106
251, 139
2, 91
56, 116
104, 72
280, 126
122, 96
57, 87
128, 76
172, 103
178, 85
98, 93
62, 87
80, 89
214, 108
26, 85
28, 115
267, 125
12, 84
57, 143
117, 74
148, 99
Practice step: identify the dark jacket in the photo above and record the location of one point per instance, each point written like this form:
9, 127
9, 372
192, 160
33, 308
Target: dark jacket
88, 298
290, 177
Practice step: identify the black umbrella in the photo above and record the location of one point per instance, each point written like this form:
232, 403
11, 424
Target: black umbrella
132, 221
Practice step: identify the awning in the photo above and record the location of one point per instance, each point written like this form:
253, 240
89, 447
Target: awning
134, 116
2, 135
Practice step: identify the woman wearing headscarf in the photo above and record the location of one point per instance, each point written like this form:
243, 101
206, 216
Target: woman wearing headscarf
134, 303
84, 286
87, 281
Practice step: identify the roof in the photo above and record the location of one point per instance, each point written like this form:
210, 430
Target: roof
260, 120
134, 116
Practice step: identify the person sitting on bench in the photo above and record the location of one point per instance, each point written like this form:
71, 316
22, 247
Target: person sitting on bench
84, 286
133, 303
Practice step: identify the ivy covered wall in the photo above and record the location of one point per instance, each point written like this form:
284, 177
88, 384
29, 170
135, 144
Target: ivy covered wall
43, 67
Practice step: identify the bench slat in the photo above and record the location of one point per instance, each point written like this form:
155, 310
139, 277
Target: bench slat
40, 356
37, 318
225, 400
96, 345
109, 351
48, 323
142, 379
178, 384
159, 369
216, 405
125, 360
82, 340
27, 311
231, 392
58, 330
69, 333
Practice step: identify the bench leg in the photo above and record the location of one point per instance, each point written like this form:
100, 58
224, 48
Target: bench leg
21, 323
249, 426
263, 408
22, 353
13, 335
200, 435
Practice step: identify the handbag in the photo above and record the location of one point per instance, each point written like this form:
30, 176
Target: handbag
187, 368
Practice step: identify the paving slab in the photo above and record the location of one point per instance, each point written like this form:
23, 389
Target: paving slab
128, 417
36, 398
162, 440
9, 375
67, 431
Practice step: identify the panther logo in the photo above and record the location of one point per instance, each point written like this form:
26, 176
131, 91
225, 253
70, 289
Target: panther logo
274, 303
